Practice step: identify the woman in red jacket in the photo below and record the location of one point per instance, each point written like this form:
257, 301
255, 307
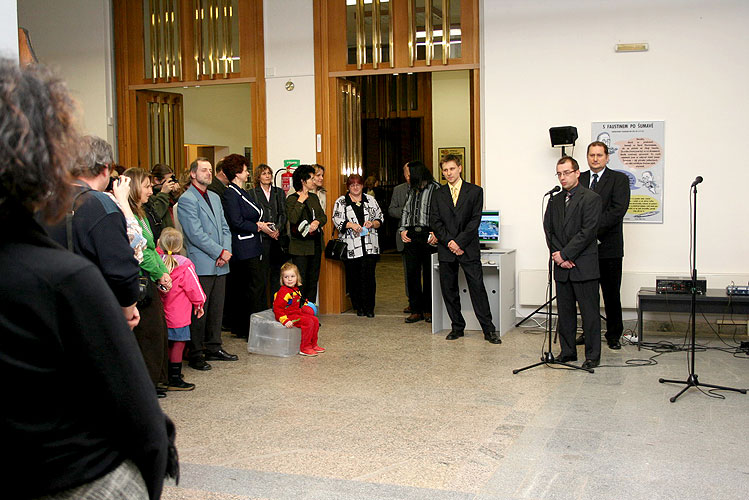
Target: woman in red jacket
291, 313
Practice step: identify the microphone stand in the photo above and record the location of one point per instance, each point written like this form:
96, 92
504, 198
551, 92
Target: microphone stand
548, 357
692, 380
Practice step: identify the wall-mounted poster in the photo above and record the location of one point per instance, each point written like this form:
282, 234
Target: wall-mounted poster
637, 149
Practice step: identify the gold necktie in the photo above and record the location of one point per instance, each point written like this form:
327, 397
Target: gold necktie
454, 193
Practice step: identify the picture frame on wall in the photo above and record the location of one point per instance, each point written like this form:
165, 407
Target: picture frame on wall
461, 152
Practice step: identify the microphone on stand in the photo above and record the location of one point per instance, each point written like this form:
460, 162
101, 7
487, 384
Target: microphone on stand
556, 189
696, 181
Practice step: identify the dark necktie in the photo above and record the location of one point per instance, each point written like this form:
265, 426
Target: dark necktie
207, 200
595, 181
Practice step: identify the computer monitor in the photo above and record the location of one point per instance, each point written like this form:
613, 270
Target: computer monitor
489, 228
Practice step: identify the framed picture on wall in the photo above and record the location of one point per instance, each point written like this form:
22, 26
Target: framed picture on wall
460, 152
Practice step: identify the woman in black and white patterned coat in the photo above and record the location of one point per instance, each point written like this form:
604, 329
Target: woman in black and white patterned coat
357, 217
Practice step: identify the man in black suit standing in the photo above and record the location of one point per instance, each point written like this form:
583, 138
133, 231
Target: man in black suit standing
613, 188
455, 218
571, 224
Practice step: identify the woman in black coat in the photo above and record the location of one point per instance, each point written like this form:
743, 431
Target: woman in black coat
248, 269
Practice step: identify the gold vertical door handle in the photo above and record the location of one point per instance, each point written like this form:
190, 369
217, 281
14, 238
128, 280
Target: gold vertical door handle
429, 28
411, 34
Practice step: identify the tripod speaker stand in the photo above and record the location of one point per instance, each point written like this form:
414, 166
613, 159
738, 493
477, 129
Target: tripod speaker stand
692, 380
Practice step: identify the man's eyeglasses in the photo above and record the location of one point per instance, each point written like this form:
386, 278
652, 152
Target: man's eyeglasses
566, 173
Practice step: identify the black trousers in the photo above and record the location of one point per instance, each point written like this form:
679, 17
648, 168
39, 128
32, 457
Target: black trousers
360, 278
245, 293
152, 338
611, 284
309, 269
275, 257
205, 332
476, 289
585, 294
418, 266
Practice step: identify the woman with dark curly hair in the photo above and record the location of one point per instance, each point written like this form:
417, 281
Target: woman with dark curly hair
92, 426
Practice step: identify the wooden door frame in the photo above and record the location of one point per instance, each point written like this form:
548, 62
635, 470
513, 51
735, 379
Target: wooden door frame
332, 292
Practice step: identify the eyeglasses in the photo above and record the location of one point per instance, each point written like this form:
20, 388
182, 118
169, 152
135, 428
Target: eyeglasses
566, 173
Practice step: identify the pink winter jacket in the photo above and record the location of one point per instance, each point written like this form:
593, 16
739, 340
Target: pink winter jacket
185, 292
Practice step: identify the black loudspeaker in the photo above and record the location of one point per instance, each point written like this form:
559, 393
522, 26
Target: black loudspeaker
563, 136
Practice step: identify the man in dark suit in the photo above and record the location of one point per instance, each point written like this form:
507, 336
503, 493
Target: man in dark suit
613, 188
455, 218
571, 225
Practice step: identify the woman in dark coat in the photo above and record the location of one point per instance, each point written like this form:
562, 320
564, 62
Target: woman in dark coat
306, 219
248, 269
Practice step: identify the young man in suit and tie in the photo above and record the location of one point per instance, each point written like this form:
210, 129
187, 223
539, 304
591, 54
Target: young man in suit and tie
571, 225
613, 188
455, 218
208, 244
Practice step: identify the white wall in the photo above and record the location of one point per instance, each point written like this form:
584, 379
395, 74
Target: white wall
74, 37
218, 115
451, 115
289, 56
8, 29
549, 63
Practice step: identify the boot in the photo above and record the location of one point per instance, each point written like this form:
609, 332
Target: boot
175, 379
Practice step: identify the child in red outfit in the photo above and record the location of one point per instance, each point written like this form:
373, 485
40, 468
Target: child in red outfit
287, 309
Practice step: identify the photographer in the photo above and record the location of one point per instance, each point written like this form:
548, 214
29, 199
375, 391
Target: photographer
159, 206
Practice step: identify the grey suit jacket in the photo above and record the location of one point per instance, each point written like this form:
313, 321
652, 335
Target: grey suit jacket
397, 202
572, 231
206, 231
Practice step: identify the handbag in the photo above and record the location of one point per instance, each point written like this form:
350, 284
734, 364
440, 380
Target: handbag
336, 249
144, 291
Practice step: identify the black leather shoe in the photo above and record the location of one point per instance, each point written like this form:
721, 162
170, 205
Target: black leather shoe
454, 335
492, 338
199, 364
414, 318
614, 344
370, 314
580, 340
589, 364
566, 359
428, 317
220, 355
360, 313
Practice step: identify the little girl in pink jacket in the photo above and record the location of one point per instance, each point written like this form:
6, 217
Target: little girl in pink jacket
185, 296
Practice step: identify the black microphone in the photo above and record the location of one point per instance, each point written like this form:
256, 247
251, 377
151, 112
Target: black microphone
697, 181
556, 189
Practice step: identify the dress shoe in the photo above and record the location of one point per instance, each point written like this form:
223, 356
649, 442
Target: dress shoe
492, 338
370, 314
414, 318
566, 359
199, 364
580, 340
428, 317
589, 364
454, 335
360, 313
220, 355
160, 394
407, 310
614, 344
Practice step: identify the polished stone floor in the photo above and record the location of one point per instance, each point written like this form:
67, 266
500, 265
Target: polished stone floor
393, 412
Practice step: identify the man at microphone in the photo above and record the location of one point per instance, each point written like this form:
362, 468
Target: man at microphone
571, 224
613, 188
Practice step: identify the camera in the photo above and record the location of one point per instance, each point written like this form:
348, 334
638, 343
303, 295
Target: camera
173, 178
